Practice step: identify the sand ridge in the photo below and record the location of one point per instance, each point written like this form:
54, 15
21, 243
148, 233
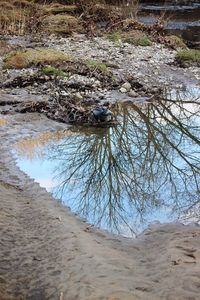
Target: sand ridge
46, 252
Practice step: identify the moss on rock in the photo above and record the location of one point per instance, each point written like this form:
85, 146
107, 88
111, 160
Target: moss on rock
31, 57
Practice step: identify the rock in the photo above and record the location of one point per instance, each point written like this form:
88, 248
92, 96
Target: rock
132, 93
126, 86
63, 93
123, 90
102, 114
78, 96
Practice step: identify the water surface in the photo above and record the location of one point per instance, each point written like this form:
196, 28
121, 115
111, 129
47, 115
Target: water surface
123, 178
181, 18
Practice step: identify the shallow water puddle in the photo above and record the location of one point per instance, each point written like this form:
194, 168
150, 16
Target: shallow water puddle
123, 178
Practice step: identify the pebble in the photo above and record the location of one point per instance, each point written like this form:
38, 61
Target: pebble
147, 66
64, 93
132, 93
78, 96
123, 90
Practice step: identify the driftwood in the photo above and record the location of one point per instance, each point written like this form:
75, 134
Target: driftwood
64, 111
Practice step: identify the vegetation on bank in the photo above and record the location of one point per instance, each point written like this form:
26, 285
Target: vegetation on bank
29, 16
191, 56
57, 8
176, 42
133, 37
98, 66
62, 17
52, 71
61, 23
30, 57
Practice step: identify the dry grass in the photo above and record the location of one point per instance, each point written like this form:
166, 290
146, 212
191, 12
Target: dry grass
18, 17
28, 16
61, 24
176, 42
23, 4
57, 8
108, 9
31, 57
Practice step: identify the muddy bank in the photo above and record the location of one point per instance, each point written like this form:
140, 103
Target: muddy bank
48, 253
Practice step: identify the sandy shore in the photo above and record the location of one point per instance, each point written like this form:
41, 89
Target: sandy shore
48, 253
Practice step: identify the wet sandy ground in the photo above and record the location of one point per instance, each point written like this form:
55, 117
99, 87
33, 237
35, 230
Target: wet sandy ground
48, 253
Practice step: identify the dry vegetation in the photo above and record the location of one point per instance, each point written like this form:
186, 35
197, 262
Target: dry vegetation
64, 24
107, 9
18, 17
23, 16
176, 42
65, 17
30, 57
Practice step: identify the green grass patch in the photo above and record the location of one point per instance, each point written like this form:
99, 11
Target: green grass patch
142, 41
188, 56
52, 71
114, 37
134, 37
100, 66
31, 57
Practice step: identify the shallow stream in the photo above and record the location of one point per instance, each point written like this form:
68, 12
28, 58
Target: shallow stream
181, 17
146, 169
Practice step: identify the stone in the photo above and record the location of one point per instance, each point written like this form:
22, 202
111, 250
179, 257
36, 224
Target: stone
78, 96
123, 90
132, 93
63, 93
126, 86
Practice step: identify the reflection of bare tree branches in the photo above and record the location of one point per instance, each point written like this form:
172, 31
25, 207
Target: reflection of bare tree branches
120, 175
